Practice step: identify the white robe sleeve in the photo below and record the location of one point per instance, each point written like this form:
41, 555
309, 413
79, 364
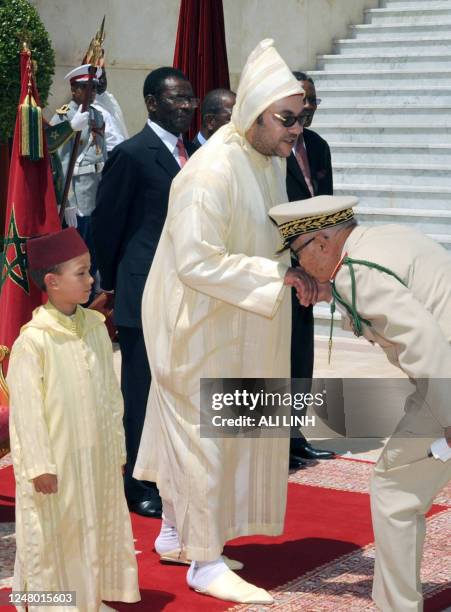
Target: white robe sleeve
27, 414
199, 232
115, 400
422, 350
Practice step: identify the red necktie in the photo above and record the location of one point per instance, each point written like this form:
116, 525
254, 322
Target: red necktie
302, 159
183, 155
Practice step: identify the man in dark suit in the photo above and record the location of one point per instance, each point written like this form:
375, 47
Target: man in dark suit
215, 111
130, 213
309, 173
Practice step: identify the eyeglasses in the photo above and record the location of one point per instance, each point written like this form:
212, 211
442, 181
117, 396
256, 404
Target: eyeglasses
292, 119
314, 101
180, 100
302, 247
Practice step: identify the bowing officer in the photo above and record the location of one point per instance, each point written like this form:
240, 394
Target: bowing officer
394, 284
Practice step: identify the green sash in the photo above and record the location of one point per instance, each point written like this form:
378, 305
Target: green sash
356, 320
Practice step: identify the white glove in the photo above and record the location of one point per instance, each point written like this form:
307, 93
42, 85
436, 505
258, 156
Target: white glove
80, 120
70, 216
441, 450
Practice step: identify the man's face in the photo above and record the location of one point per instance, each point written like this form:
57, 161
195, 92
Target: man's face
78, 93
318, 254
214, 122
310, 105
172, 107
268, 134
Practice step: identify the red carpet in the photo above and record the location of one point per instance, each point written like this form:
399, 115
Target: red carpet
324, 527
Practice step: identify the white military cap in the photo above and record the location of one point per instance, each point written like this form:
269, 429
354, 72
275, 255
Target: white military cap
304, 216
81, 74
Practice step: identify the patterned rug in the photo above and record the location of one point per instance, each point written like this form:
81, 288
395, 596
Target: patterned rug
344, 585
323, 562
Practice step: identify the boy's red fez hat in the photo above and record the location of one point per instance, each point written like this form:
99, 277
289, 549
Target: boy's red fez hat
53, 249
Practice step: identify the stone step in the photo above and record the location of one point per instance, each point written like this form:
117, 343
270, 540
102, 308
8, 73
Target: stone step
388, 61
399, 30
436, 222
322, 316
412, 94
415, 4
397, 196
368, 76
444, 240
381, 133
400, 174
406, 15
344, 152
388, 114
408, 45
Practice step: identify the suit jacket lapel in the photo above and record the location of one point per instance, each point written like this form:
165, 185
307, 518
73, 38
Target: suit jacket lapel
294, 169
190, 146
312, 158
163, 156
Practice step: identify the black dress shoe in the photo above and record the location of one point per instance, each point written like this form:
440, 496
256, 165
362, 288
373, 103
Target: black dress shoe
306, 451
296, 463
150, 508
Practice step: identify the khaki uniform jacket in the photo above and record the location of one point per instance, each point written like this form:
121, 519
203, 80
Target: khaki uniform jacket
411, 322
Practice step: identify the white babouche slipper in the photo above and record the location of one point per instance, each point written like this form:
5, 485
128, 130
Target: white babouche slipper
230, 587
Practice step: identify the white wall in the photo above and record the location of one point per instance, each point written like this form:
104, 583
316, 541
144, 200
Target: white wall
141, 36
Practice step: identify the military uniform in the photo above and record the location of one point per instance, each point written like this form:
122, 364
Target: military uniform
410, 318
88, 168
90, 159
394, 285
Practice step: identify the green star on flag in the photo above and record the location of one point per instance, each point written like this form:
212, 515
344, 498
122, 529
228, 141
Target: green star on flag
14, 260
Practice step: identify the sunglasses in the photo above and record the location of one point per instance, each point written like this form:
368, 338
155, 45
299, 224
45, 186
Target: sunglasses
292, 119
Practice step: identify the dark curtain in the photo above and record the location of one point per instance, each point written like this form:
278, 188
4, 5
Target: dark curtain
200, 49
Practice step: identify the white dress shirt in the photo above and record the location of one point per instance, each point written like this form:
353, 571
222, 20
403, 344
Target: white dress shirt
170, 140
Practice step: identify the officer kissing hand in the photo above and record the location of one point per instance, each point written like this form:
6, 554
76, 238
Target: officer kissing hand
306, 287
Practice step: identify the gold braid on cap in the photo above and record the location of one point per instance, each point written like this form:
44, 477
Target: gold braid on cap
297, 227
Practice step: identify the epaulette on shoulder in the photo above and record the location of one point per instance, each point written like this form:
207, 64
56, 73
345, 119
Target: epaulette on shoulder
63, 110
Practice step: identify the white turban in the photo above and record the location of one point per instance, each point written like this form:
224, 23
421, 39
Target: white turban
265, 79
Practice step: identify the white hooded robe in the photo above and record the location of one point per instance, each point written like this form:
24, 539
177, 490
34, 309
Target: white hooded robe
215, 305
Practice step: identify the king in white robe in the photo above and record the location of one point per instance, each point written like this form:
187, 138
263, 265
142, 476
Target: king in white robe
215, 305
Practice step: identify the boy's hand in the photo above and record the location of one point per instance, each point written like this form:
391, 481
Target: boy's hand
46, 483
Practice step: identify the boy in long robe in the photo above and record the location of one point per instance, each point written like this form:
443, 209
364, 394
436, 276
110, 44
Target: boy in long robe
67, 440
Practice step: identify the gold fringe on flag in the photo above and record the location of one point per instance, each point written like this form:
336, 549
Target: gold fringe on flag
31, 134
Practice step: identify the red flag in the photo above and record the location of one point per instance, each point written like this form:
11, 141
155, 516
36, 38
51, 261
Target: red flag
200, 49
31, 211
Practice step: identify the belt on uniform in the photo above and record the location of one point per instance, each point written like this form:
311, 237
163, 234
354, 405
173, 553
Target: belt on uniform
88, 169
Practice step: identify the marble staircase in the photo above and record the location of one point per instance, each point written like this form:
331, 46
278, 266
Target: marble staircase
386, 113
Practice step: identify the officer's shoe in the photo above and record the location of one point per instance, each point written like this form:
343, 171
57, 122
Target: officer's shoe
304, 450
149, 507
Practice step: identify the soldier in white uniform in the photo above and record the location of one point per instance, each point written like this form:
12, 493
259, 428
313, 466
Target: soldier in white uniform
394, 284
91, 156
